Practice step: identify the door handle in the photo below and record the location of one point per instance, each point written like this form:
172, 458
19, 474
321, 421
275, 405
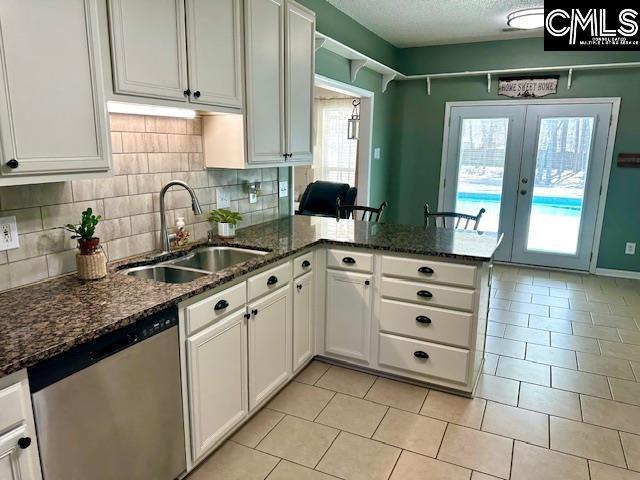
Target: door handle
425, 270
221, 305
425, 294
525, 181
348, 260
306, 264
423, 319
523, 192
272, 280
421, 354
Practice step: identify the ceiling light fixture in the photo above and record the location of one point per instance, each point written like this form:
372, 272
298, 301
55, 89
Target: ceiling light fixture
156, 110
526, 19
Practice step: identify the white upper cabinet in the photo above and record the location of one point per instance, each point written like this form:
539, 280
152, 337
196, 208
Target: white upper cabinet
52, 113
300, 50
149, 56
214, 50
264, 30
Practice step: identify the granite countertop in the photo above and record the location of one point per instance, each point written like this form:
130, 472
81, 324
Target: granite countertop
51, 317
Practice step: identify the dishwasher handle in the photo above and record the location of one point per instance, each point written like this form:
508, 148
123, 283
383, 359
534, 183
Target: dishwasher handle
113, 347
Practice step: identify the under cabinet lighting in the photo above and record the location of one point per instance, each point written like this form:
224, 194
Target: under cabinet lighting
526, 19
154, 110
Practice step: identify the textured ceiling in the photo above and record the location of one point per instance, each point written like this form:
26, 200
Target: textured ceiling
413, 23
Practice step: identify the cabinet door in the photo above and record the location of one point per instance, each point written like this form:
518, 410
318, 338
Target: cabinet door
217, 369
264, 61
300, 50
303, 309
214, 51
348, 323
148, 49
17, 463
52, 112
269, 344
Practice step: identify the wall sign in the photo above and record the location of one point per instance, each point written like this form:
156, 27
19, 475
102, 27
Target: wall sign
629, 160
528, 87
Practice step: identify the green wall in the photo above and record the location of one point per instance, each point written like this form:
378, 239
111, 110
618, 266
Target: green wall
419, 136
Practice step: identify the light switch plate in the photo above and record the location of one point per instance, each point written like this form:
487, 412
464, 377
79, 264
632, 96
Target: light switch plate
376, 153
8, 233
630, 248
223, 198
283, 191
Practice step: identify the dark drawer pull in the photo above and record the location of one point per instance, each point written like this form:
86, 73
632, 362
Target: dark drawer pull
425, 294
426, 270
272, 280
348, 260
421, 354
423, 319
24, 442
306, 264
221, 305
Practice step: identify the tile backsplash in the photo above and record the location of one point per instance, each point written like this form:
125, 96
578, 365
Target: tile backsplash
147, 153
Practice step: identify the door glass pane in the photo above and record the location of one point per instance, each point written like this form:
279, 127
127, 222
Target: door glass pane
482, 154
562, 162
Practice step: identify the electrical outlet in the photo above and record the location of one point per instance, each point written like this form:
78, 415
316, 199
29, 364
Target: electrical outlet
376, 153
283, 189
630, 248
8, 233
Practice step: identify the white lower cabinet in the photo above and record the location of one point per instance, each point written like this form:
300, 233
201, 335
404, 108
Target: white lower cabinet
217, 359
303, 308
16, 463
348, 315
269, 344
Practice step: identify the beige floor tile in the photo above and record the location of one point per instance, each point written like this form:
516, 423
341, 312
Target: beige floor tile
631, 447
410, 431
301, 400
298, 440
496, 329
312, 372
620, 350
570, 342
530, 308
550, 301
600, 471
490, 363
499, 303
617, 321
604, 333
290, 471
602, 297
549, 283
505, 316
588, 441
411, 466
636, 370
235, 462
512, 422
625, 391
524, 334
569, 315
513, 295
482, 476
535, 289
580, 382
566, 293
630, 336
525, 371
502, 346
612, 367
610, 414
550, 400
535, 463
352, 414
355, 458
498, 389
594, 307
256, 428
550, 324
481, 451
347, 381
558, 357
626, 310
397, 394
455, 409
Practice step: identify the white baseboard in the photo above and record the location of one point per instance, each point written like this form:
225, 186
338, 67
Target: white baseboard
607, 272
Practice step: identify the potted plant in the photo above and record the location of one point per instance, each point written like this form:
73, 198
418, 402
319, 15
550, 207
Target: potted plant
226, 220
91, 261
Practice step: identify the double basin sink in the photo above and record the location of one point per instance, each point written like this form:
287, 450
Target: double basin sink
198, 263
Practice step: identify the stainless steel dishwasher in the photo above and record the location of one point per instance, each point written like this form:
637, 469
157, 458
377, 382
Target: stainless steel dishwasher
111, 409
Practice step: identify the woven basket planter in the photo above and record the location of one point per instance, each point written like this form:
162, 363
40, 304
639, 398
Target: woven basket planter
92, 266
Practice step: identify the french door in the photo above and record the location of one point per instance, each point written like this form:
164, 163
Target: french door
537, 171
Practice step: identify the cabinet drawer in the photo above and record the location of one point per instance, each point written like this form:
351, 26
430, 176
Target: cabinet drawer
429, 271
346, 260
210, 309
428, 294
440, 361
302, 264
11, 405
269, 281
426, 323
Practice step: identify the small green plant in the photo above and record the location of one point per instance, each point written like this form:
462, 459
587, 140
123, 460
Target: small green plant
87, 226
223, 215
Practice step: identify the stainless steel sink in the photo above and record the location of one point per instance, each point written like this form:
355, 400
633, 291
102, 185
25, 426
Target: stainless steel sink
214, 259
164, 273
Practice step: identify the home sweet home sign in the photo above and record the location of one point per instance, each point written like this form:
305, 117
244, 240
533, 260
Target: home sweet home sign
527, 87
